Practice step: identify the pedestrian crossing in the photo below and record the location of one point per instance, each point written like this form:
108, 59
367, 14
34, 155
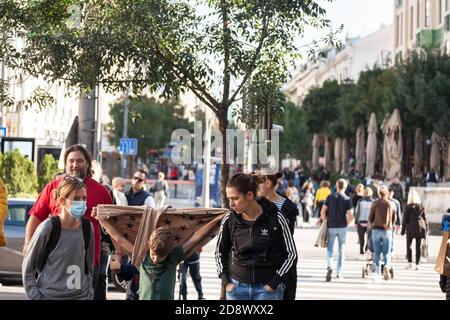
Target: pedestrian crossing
419, 284
311, 285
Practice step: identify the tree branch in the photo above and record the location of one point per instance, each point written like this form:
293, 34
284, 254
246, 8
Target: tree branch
253, 64
212, 103
227, 55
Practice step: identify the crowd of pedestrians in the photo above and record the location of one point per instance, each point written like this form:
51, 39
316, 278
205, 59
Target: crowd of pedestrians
67, 253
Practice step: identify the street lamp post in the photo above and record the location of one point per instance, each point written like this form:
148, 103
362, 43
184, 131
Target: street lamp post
125, 132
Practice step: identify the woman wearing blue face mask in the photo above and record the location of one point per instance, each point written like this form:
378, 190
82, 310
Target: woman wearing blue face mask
58, 264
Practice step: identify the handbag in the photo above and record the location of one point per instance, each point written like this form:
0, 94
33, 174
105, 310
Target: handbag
322, 237
424, 247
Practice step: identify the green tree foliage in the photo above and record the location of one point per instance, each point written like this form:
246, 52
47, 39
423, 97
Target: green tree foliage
163, 46
296, 139
418, 87
18, 174
320, 107
47, 170
151, 122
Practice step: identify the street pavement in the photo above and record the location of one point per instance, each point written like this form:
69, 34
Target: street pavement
419, 284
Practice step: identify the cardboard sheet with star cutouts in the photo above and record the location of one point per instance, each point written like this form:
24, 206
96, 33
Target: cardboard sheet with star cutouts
136, 223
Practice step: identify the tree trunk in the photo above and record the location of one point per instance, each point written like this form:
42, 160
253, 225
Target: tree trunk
225, 169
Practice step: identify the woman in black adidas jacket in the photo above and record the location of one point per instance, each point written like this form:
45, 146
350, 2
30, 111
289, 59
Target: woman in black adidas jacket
255, 236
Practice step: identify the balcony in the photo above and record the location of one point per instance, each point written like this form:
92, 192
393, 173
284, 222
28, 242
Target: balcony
430, 39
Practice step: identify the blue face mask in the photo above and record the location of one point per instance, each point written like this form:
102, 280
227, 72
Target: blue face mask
78, 209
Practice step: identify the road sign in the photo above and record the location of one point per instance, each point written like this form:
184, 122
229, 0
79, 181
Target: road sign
128, 146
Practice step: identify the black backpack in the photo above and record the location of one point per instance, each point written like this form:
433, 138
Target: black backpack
54, 238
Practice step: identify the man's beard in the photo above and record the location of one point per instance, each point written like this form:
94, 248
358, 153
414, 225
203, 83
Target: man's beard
78, 173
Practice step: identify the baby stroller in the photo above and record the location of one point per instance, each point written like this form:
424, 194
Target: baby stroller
370, 258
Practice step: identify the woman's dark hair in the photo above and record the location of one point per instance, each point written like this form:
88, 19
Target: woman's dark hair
245, 183
273, 178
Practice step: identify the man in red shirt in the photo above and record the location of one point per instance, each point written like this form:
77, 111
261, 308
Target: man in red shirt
78, 163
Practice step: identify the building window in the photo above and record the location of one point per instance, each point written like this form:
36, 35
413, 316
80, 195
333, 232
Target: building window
401, 29
418, 13
427, 13
412, 24
397, 31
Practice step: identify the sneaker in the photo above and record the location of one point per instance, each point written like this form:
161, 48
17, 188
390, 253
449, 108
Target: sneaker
329, 272
386, 273
339, 276
417, 267
200, 297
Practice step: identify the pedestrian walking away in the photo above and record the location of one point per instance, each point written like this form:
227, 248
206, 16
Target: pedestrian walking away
381, 220
338, 212
415, 226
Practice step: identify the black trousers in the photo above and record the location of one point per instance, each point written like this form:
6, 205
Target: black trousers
409, 251
101, 278
362, 239
291, 285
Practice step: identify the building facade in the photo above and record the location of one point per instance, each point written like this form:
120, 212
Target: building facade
421, 24
359, 54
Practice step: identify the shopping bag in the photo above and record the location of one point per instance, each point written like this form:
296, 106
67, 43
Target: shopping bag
322, 237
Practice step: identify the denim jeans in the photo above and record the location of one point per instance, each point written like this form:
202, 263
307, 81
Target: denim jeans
243, 291
340, 233
194, 271
382, 243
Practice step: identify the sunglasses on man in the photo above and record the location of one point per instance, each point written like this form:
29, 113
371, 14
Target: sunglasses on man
138, 179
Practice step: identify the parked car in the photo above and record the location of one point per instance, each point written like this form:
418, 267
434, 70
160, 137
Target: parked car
11, 256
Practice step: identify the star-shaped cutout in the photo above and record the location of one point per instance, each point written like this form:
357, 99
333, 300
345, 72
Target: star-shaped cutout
167, 221
132, 218
130, 226
191, 218
183, 228
177, 237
